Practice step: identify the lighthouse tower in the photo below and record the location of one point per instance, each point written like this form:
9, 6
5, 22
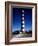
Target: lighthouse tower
22, 21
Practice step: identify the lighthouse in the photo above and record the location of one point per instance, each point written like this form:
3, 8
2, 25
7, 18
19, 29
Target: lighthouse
22, 22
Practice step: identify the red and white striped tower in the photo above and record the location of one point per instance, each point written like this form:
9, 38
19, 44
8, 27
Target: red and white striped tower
22, 21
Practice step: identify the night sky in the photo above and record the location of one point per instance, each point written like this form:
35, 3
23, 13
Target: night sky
16, 19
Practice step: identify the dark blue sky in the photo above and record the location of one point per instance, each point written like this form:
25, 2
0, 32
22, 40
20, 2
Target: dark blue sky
16, 19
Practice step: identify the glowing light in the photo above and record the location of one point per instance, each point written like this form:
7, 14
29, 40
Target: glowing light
23, 22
